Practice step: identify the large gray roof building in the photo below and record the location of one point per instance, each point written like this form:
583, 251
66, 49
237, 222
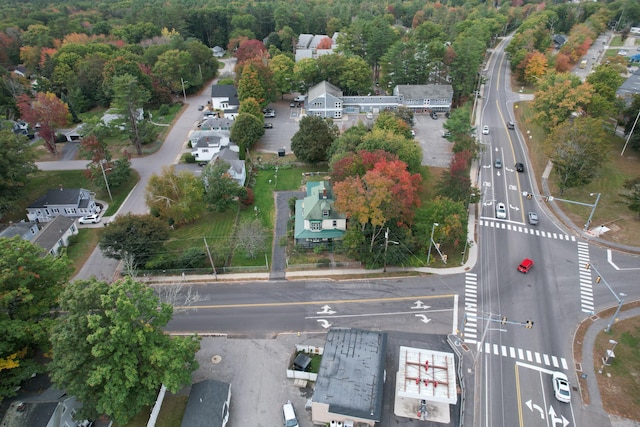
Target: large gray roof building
351, 378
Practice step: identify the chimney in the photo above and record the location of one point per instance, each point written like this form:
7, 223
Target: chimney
324, 193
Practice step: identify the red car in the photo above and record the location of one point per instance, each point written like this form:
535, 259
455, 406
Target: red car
525, 265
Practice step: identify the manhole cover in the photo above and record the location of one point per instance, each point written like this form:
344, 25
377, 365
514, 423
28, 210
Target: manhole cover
216, 359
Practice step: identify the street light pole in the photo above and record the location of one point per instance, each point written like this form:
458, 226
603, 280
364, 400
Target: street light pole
184, 93
593, 210
630, 133
106, 181
433, 228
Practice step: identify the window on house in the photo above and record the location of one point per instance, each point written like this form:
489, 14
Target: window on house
325, 213
335, 223
316, 226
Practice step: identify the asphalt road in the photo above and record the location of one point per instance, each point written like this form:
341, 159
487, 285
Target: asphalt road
514, 363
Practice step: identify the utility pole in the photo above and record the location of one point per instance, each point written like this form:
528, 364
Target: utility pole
210, 258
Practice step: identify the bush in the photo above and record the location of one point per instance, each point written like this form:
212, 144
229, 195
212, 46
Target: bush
163, 110
189, 158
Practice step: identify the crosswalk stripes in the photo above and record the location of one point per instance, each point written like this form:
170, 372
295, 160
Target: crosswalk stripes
586, 286
525, 355
525, 230
471, 308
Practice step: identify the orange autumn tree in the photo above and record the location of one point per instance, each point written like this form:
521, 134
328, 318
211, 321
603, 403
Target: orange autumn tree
49, 111
535, 68
386, 192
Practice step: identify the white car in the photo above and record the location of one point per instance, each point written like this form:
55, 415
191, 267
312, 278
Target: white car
501, 211
90, 219
299, 98
561, 387
289, 415
485, 130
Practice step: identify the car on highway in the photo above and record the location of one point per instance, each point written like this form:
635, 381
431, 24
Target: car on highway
90, 219
525, 265
501, 211
289, 415
520, 167
533, 218
561, 387
268, 125
498, 164
511, 125
485, 130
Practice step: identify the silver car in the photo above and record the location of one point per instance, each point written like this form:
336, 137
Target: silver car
533, 218
501, 211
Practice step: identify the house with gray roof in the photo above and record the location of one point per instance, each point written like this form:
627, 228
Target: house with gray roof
327, 101
350, 380
225, 98
208, 404
27, 230
216, 123
70, 202
55, 234
316, 220
307, 46
425, 98
207, 144
237, 168
58, 410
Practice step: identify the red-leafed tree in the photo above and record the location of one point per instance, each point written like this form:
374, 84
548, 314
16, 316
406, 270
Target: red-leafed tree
455, 183
563, 63
47, 110
250, 49
325, 43
386, 192
357, 164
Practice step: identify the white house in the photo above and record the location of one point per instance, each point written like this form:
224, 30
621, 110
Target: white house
237, 168
225, 98
55, 234
207, 143
70, 202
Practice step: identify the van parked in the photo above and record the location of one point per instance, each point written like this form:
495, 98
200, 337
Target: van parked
289, 415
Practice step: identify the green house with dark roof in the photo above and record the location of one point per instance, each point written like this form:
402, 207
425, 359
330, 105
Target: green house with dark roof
317, 221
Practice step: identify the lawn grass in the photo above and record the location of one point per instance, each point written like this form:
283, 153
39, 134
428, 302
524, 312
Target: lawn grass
619, 383
617, 41
611, 210
170, 415
79, 251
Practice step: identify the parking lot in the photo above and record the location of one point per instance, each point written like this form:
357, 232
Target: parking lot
256, 370
436, 150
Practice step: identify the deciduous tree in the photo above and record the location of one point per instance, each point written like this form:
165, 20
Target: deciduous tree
16, 163
111, 352
220, 189
251, 237
559, 96
246, 130
175, 196
387, 191
312, 140
578, 150
138, 236
47, 110
30, 283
